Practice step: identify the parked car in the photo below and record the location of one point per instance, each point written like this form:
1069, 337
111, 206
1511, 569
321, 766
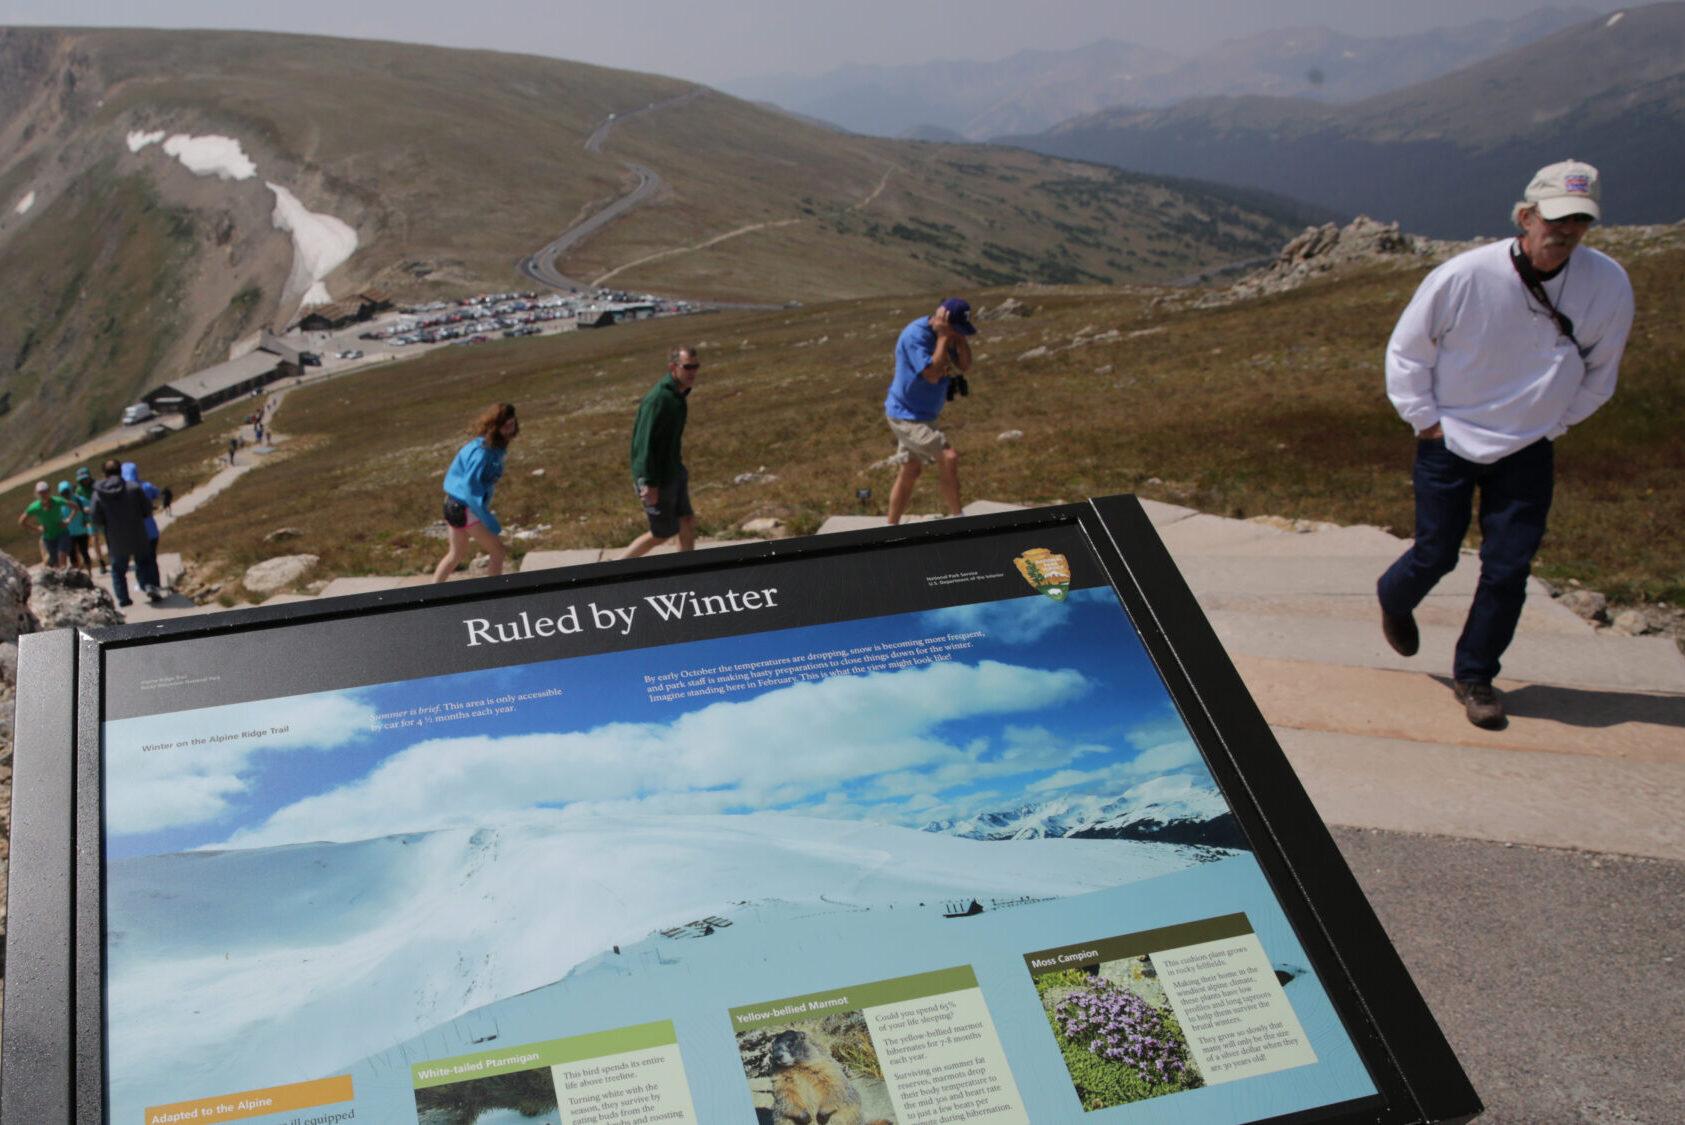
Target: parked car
309, 359
137, 412
353, 353
154, 432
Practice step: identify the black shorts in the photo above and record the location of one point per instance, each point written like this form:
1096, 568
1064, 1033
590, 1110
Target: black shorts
671, 505
456, 512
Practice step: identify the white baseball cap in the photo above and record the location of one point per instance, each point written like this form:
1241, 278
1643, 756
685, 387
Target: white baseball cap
1565, 188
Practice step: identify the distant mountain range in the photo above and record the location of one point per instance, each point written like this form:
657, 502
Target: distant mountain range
1168, 810
1033, 90
1445, 157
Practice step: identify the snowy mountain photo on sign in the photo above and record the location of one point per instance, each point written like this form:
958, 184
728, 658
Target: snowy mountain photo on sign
398, 873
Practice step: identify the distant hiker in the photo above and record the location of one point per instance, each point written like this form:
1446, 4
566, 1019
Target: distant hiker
85, 496
167, 497
472, 476
233, 444
1501, 350
122, 509
49, 517
80, 556
932, 356
659, 476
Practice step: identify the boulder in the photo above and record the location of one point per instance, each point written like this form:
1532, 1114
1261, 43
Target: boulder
281, 533
1009, 307
1009, 435
272, 575
1632, 622
15, 615
1589, 604
767, 527
68, 598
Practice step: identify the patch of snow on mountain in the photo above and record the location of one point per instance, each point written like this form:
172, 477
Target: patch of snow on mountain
240, 969
210, 156
25, 203
139, 139
1615, 19
321, 243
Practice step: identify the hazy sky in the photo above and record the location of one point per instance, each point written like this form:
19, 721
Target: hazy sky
713, 41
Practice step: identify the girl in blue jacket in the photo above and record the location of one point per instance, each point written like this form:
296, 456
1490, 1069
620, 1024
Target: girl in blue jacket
473, 474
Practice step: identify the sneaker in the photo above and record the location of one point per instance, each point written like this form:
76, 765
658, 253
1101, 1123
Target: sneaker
1482, 702
1400, 631
126, 601
154, 594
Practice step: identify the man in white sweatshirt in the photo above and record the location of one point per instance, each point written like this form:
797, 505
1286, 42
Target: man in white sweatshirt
1501, 350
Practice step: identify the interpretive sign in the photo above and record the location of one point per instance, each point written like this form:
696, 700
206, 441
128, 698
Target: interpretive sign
970, 822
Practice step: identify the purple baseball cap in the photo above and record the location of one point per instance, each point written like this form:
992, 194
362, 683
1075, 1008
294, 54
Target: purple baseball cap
959, 315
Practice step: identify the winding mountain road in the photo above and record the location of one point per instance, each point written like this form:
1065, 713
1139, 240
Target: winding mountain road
540, 266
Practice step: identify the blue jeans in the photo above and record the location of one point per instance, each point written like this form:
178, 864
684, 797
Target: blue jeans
146, 569
1515, 495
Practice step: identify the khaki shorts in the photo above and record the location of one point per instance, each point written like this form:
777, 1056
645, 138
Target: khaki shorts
917, 439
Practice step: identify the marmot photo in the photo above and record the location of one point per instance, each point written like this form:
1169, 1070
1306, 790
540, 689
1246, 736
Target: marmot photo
809, 1087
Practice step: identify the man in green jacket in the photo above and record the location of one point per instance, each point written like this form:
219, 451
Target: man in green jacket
658, 470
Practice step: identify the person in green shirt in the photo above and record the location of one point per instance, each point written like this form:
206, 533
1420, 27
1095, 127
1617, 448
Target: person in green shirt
49, 516
658, 470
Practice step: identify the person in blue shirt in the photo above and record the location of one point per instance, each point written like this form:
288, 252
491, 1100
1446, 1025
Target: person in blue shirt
469, 483
931, 354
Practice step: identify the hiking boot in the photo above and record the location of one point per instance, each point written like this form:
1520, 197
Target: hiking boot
1400, 631
1482, 703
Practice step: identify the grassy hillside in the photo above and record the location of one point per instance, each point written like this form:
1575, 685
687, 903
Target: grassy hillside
87, 293
451, 165
1269, 406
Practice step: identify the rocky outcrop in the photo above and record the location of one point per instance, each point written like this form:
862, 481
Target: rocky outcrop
16, 618
276, 574
1319, 251
65, 599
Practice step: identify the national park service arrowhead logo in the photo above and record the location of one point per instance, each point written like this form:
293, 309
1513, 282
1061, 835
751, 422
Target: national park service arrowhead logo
1046, 572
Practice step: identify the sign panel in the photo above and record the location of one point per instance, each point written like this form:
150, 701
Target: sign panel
912, 833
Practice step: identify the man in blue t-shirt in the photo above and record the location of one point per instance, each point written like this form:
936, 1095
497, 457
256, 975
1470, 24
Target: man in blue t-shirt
931, 353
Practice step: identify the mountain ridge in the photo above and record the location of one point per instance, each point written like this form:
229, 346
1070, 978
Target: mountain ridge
1034, 89
1445, 157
